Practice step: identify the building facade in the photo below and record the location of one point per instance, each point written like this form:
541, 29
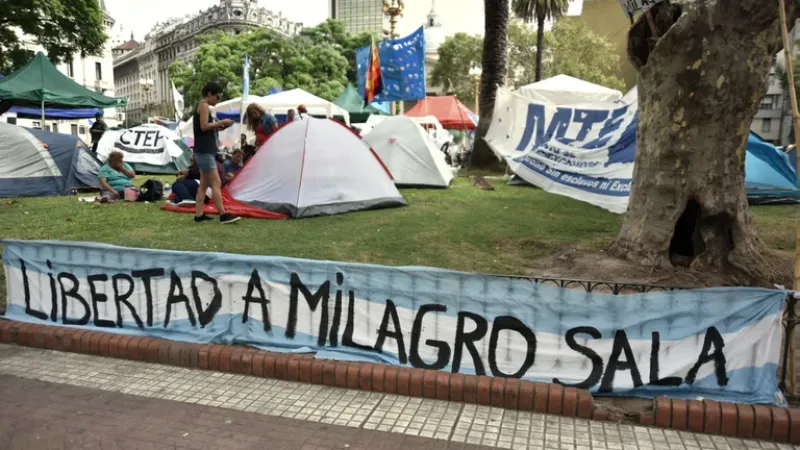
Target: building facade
358, 15
93, 72
434, 38
175, 40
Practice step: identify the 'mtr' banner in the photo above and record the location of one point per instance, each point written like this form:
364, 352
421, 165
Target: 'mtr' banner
720, 344
582, 151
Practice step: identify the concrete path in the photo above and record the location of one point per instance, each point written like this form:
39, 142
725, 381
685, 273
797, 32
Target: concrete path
54, 400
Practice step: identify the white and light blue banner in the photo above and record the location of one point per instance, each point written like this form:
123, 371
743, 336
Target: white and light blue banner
583, 151
714, 343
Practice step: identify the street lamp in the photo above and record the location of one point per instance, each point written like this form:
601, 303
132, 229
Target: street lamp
475, 73
147, 85
394, 9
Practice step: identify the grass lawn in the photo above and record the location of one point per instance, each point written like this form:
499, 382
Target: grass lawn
461, 228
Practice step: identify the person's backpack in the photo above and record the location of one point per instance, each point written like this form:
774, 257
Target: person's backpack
151, 191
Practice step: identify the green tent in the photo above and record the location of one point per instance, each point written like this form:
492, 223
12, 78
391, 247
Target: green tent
40, 84
352, 102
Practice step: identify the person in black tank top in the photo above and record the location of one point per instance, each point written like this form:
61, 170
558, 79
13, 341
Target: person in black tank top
205, 153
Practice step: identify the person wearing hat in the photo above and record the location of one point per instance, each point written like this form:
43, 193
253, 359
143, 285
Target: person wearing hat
97, 130
302, 113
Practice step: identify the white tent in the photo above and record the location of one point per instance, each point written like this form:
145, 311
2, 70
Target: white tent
412, 156
315, 167
430, 123
148, 144
564, 90
282, 102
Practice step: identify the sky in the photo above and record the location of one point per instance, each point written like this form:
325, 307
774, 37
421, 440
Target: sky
455, 15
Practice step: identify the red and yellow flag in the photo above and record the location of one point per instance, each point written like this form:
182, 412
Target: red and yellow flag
374, 81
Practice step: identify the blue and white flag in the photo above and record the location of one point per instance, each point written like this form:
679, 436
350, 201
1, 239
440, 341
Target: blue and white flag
720, 344
402, 67
246, 79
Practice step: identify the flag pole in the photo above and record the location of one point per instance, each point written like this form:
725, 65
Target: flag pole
792, 371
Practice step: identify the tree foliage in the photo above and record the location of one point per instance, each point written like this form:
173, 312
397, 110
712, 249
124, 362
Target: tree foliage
571, 48
457, 55
63, 28
539, 11
316, 61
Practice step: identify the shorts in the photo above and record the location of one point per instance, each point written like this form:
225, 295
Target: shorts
206, 163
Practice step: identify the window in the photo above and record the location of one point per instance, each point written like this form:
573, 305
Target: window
766, 125
55, 128
12, 120
70, 70
37, 125
766, 102
74, 129
98, 71
82, 130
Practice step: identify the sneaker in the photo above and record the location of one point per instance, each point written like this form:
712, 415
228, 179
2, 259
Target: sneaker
228, 218
187, 203
202, 218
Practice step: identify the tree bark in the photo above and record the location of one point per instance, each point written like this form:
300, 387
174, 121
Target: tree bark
494, 64
540, 45
700, 84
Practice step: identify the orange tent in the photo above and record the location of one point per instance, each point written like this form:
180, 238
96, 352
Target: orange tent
450, 112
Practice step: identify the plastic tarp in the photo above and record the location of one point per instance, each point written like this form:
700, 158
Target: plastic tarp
36, 163
148, 148
315, 167
410, 154
29, 112
40, 81
587, 151
448, 110
565, 90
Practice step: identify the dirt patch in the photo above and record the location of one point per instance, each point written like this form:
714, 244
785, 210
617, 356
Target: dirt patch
624, 409
599, 265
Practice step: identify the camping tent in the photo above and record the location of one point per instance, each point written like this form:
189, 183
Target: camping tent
282, 102
770, 177
565, 90
39, 84
412, 156
353, 103
448, 110
148, 148
315, 167
36, 163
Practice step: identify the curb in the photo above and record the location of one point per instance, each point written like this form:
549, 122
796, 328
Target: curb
506, 393
739, 420
768, 423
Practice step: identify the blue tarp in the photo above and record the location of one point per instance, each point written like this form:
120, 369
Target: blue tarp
55, 113
402, 67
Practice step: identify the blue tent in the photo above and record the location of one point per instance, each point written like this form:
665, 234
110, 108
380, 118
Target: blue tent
770, 176
36, 163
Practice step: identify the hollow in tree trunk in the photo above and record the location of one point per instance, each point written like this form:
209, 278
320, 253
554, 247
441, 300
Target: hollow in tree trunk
494, 63
700, 84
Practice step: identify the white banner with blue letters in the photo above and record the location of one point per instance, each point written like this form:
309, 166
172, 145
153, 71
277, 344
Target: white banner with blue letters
583, 151
714, 343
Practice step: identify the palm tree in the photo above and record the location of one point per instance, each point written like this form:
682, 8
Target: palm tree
493, 64
541, 11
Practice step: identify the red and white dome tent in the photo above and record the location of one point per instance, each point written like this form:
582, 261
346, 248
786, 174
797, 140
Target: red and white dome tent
310, 168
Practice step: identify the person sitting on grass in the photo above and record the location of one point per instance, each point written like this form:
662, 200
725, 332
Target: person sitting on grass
233, 165
185, 187
115, 176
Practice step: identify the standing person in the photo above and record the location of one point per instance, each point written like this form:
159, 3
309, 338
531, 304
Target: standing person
261, 123
97, 130
205, 153
290, 116
302, 113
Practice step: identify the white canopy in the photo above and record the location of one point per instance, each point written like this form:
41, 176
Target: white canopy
282, 102
564, 90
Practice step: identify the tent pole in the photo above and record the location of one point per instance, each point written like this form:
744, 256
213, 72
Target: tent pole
796, 119
43, 115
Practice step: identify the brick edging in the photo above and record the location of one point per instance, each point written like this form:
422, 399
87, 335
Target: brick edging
507, 393
741, 420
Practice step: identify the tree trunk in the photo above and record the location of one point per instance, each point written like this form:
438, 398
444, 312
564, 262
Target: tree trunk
540, 46
494, 64
700, 84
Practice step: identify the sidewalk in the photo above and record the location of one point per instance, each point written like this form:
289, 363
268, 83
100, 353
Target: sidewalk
54, 400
